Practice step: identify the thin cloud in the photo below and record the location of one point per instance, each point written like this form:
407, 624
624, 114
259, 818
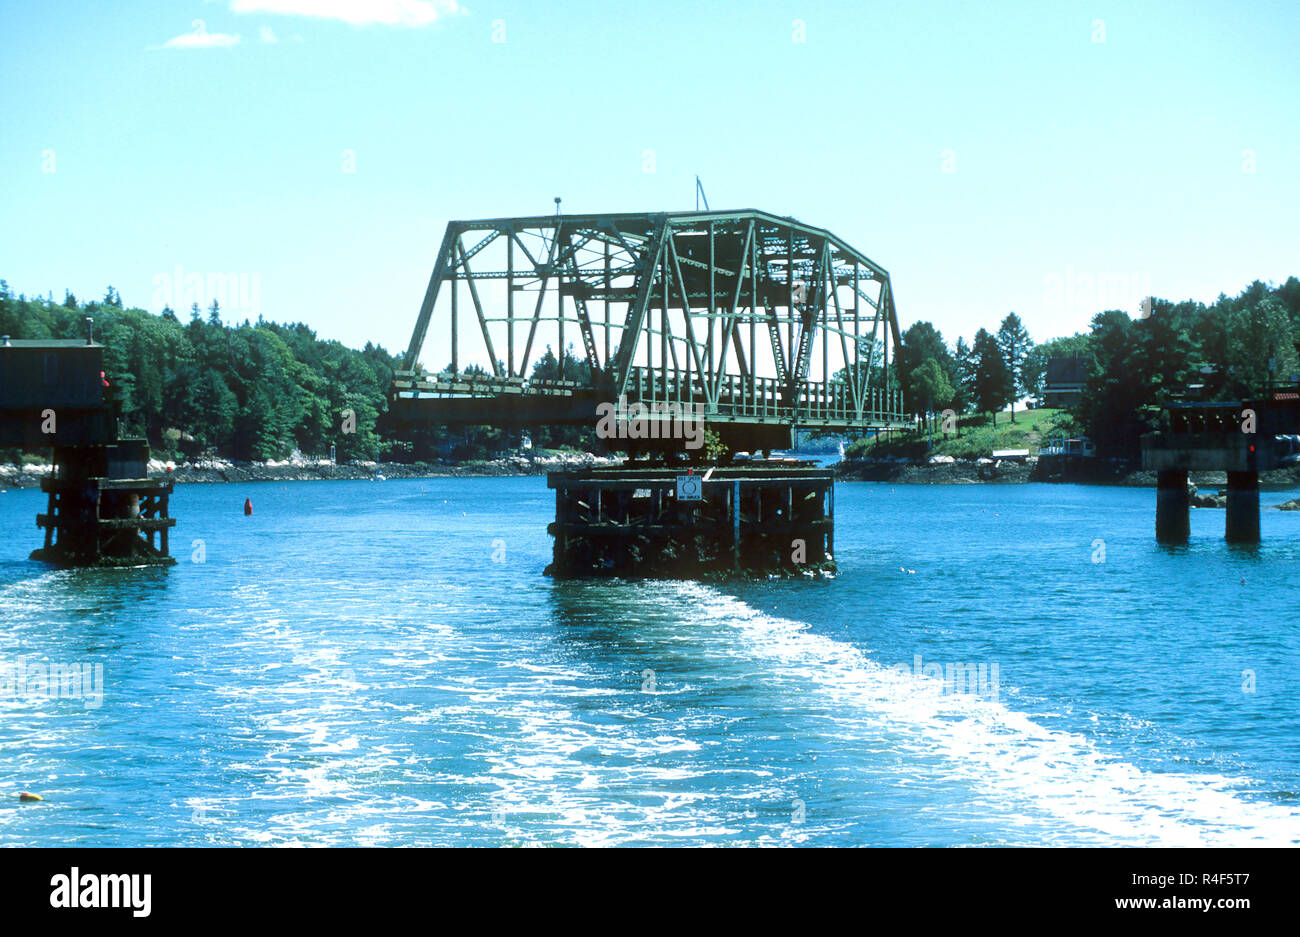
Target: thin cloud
201, 41
267, 34
200, 38
411, 13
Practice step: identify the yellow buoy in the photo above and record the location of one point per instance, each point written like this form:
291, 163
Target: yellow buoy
29, 798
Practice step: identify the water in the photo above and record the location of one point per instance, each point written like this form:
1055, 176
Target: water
350, 666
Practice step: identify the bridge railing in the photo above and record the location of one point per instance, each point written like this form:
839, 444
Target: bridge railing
465, 384
763, 399
739, 398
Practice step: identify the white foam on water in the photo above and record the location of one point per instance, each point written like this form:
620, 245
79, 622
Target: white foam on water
1008, 760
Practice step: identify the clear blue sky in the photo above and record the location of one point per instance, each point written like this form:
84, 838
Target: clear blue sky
992, 156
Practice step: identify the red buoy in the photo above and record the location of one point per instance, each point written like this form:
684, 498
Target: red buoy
248, 506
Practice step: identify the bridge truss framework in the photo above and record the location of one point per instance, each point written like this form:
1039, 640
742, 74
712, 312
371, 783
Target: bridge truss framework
760, 323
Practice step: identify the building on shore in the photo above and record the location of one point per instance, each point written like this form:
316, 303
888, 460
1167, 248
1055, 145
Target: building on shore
1064, 380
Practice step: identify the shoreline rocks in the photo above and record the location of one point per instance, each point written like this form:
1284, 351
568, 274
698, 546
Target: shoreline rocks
944, 470
940, 470
1205, 499
220, 470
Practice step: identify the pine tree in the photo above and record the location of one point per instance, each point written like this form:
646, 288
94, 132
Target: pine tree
964, 376
1014, 343
994, 387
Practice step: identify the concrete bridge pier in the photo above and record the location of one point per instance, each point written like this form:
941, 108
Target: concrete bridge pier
1242, 522
1173, 506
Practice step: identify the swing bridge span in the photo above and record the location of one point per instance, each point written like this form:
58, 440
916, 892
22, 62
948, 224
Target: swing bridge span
755, 323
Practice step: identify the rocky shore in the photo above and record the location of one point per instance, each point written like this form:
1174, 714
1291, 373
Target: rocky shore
940, 471
219, 470
943, 470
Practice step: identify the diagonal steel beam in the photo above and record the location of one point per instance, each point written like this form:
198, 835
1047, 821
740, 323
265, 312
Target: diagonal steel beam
584, 320
691, 344
729, 331
478, 308
636, 313
537, 310
430, 297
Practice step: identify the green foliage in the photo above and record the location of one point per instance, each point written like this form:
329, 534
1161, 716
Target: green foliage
922, 342
260, 391
964, 376
928, 386
547, 368
714, 449
1260, 346
243, 392
1120, 388
978, 437
1014, 342
992, 383
1228, 347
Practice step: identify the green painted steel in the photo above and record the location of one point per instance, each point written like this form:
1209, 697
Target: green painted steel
683, 298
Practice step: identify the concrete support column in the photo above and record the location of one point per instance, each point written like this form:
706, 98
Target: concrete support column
1242, 522
1173, 506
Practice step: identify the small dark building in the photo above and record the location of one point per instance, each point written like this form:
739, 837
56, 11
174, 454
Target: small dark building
1064, 380
40, 373
103, 509
44, 376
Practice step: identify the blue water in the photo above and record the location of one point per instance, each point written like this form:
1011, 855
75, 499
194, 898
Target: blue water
364, 663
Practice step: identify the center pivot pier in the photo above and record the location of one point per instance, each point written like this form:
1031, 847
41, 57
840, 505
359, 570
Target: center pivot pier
669, 521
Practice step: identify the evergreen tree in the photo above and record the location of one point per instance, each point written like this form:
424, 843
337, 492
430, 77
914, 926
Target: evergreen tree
993, 385
1013, 340
964, 371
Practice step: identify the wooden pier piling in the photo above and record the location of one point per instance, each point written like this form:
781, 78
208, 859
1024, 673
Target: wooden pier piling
104, 510
752, 519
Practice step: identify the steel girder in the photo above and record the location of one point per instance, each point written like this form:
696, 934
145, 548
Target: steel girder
682, 300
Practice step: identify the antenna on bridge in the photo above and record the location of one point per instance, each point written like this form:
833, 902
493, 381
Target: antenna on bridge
699, 194
557, 224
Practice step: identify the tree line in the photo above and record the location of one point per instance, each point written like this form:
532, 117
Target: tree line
1234, 348
263, 390
253, 390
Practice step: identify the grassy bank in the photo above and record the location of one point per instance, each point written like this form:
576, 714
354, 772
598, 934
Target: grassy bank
976, 437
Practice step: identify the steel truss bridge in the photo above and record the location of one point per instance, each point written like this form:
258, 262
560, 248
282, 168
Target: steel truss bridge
760, 323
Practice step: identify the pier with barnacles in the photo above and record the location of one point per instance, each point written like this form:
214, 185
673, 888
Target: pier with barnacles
741, 325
